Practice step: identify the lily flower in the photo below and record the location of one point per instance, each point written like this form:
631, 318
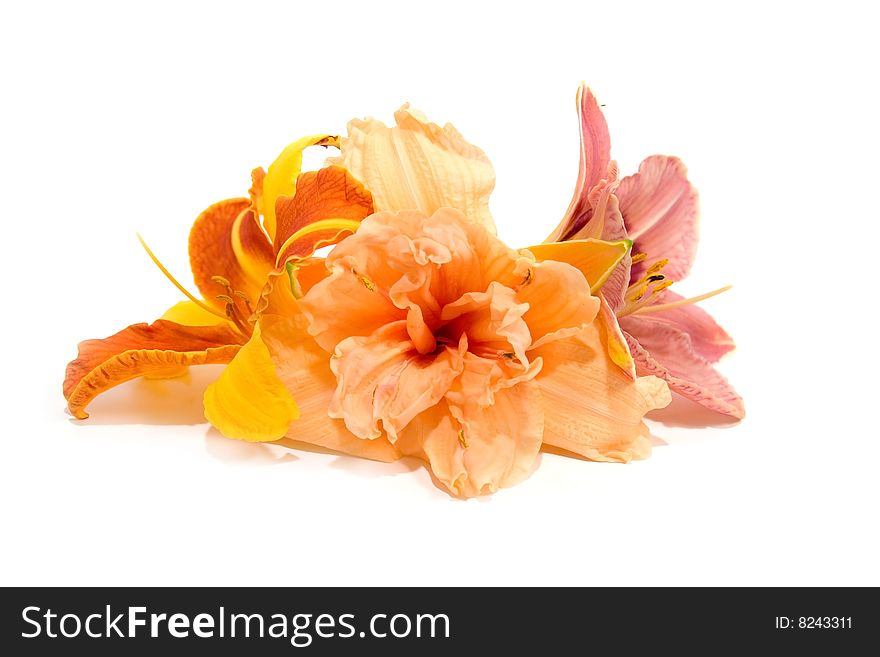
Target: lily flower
425, 336
657, 208
232, 252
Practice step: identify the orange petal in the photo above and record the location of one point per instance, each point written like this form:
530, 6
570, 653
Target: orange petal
560, 303
280, 179
143, 349
226, 240
329, 193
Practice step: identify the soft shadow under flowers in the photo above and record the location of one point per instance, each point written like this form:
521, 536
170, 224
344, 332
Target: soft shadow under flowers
685, 413
241, 452
155, 401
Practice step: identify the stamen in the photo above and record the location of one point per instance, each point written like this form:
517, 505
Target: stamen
201, 304
657, 266
638, 257
683, 302
221, 281
529, 277
461, 439
247, 302
643, 291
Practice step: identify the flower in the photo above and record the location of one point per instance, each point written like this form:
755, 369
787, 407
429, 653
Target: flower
426, 336
421, 333
657, 208
231, 255
431, 338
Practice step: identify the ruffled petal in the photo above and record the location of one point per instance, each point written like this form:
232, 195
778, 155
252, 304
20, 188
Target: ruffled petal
595, 157
226, 240
596, 259
603, 421
708, 339
304, 368
158, 348
492, 322
417, 165
660, 208
475, 450
383, 382
664, 350
187, 313
249, 401
328, 204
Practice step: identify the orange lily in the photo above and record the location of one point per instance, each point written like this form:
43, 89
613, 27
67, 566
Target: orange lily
234, 246
423, 335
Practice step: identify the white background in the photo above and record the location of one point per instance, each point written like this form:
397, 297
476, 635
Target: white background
118, 118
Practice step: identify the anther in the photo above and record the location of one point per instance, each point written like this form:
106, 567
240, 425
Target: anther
461, 439
638, 257
657, 266
655, 278
225, 298
221, 281
366, 282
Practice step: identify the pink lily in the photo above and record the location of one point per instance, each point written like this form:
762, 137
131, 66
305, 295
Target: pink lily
658, 209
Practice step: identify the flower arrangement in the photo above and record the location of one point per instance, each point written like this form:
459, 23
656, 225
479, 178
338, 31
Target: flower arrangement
421, 333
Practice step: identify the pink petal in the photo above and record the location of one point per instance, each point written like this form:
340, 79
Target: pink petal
708, 339
594, 161
607, 223
661, 210
662, 349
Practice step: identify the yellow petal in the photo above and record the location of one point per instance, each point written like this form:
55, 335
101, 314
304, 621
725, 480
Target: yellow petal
249, 401
417, 165
595, 258
280, 180
189, 314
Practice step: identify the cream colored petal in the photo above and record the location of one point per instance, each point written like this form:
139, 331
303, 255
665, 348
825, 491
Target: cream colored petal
591, 406
417, 165
475, 450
